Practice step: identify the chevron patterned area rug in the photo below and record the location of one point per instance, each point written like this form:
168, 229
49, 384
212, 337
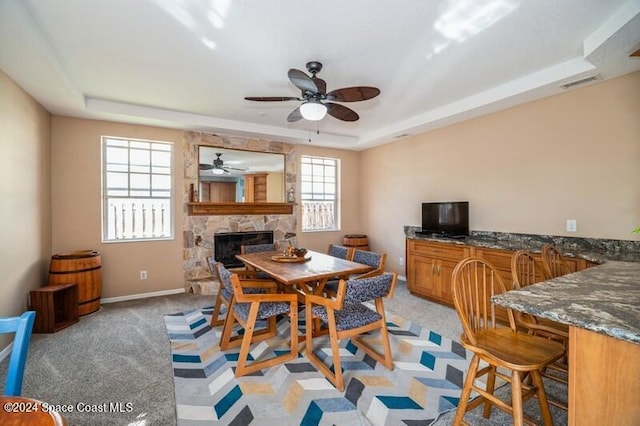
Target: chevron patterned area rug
426, 381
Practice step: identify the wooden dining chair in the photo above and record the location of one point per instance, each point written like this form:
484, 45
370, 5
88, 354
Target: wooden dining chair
247, 309
341, 252
21, 327
348, 317
553, 262
224, 295
376, 260
257, 248
503, 348
253, 285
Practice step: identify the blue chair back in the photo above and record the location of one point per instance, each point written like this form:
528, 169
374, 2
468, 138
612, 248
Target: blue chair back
225, 279
341, 252
365, 289
371, 258
22, 327
258, 248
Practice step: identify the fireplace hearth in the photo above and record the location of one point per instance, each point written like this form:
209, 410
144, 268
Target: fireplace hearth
227, 244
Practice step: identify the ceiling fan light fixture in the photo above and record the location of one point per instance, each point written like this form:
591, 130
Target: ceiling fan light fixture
313, 110
218, 171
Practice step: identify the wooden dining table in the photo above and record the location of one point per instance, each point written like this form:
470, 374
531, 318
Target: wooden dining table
308, 275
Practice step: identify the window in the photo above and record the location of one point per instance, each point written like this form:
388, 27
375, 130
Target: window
319, 194
136, 188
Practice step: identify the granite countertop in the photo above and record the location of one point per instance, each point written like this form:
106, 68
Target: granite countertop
591, 249
604, 299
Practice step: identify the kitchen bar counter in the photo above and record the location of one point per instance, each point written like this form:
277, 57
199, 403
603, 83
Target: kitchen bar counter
604, 299
602, 307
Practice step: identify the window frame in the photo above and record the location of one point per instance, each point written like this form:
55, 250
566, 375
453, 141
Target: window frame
105, 197
336, 200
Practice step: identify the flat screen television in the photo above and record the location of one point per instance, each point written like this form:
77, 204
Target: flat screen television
449, 219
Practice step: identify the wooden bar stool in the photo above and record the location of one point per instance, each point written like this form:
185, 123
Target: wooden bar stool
525, 271
474, 282
553, 262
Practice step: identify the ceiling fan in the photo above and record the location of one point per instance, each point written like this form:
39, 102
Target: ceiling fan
316, 101
218, 166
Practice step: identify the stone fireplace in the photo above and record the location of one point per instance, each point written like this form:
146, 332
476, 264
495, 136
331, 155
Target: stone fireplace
199, 231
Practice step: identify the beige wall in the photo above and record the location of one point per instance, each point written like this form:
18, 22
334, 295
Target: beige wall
25, 197
525, 170
76, 207
349, 193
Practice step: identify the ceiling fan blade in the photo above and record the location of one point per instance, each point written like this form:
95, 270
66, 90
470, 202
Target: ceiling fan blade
320, 84
271, 98
353, 94
341, 112
206, 166
302, 81
635, 54
295, 115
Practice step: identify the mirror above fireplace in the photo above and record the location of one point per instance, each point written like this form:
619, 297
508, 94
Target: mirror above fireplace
237, 176
243, 182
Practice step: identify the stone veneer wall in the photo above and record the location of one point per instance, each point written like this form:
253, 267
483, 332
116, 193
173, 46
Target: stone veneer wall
195, 255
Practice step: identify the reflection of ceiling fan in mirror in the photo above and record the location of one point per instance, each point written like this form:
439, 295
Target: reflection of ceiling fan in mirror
218, 167
315, 98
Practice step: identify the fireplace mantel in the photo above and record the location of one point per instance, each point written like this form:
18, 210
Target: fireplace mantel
212, 209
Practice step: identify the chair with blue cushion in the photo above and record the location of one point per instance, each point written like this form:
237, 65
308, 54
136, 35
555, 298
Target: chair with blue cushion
225, 297
348, 317
247, 309
22, 327
257, 248
371, 258
340, 252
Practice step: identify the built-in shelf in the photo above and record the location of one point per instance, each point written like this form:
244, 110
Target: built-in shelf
212, 209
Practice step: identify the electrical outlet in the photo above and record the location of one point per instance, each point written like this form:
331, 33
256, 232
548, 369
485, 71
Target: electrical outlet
143, 275
572, 225
401, 261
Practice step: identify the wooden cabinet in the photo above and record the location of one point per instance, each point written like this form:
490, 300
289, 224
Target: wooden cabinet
217, 192
429, 268
255, 188
603, 379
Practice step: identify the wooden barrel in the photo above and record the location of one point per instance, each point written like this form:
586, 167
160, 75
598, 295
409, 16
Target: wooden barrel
83, 268
357, 241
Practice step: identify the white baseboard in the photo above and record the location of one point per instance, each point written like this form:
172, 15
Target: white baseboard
5, 352
402, 277
142, 295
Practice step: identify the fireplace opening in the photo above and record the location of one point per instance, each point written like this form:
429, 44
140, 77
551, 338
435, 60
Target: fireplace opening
227, 244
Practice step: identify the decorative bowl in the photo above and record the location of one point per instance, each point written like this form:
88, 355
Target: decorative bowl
299, 251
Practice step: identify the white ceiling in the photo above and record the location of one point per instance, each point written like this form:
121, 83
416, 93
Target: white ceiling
189, 63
